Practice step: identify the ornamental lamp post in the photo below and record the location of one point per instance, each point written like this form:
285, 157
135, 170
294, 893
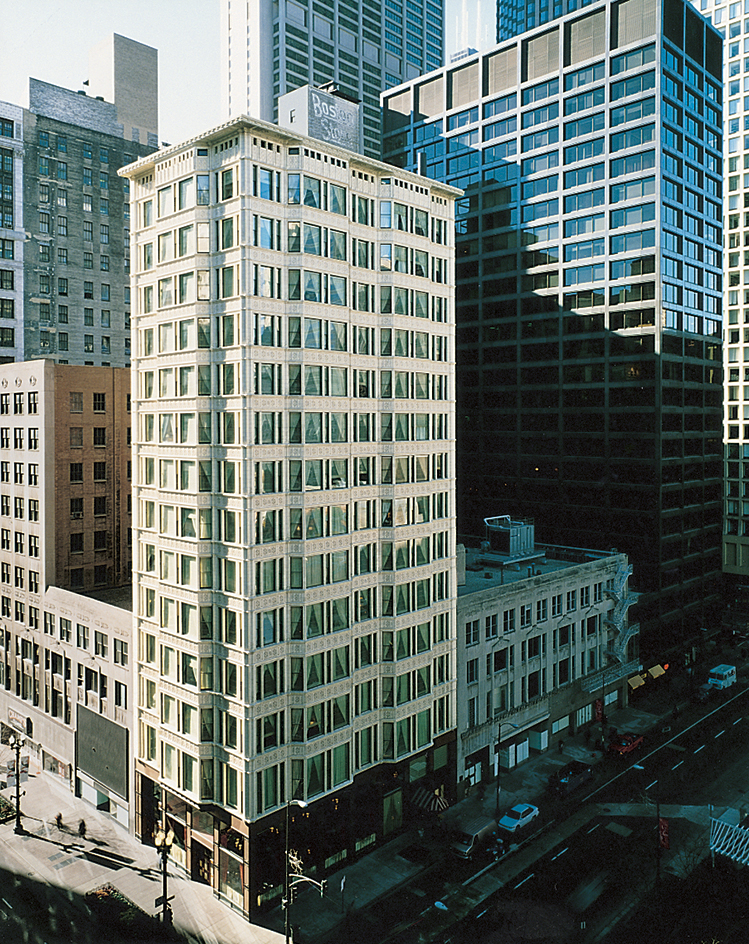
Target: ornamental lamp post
163, 842
287, 877
16, 743
661, 828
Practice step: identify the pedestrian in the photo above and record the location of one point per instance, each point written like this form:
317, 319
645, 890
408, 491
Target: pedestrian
82, 829
561, 745
58, 820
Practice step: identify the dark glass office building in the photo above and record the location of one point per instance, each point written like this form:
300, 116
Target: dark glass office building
589, 287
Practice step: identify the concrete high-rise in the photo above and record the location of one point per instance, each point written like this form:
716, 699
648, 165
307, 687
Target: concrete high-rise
125, 72
364, 47
589, 280
294, 487
64, 231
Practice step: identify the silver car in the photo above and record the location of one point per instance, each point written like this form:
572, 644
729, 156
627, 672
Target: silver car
518, 817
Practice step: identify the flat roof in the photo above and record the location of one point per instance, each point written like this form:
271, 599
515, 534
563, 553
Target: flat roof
506, 570
121, 597
283, 136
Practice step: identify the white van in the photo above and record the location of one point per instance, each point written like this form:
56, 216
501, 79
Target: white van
472, 834
722, 676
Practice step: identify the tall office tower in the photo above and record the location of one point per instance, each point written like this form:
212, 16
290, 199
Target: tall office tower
12, 236
362, 46
517, 16
589, 286
64, 530
295, 572
729, 20
64, 292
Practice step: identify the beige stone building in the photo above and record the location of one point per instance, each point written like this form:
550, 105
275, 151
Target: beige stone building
294, 490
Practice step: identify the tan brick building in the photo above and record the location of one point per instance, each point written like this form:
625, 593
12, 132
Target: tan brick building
65, 657
92, 500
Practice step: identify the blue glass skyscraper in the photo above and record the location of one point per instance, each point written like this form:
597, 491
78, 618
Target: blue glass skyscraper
589, 286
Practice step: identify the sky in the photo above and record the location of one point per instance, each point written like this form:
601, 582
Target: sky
50, 40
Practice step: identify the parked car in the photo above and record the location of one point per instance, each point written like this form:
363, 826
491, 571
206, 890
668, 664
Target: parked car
625, 743
472, 834
568, 778
519, 816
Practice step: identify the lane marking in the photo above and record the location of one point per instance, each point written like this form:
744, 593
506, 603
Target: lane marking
526, 879
737, 720
622, 773
651, 784
560, 853
594, 827
677, 765
701, 747
719, 733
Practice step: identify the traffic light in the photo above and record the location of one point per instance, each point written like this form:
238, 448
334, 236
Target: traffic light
292, 893
323, 887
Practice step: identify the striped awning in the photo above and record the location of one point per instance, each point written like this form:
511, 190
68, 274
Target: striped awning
428, 800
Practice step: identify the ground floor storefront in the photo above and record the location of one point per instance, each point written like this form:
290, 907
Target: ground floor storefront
244, 862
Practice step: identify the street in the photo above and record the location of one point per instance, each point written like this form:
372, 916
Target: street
589, 860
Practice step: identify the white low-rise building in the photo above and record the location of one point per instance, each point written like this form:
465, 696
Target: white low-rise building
544, 645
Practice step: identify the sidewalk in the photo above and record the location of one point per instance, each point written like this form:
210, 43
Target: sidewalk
109, 855
396, 863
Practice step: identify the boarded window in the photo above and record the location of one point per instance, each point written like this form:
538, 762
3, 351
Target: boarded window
463, 86
429, 97
501, 71
633, 21
397, 111
541, 55
693, 35
585, 38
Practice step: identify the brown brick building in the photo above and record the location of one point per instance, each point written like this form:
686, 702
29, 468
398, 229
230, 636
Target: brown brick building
65, 671
65, 473
92, 477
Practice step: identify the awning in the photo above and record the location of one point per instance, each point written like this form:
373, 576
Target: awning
656, 671
636, 681
428, 800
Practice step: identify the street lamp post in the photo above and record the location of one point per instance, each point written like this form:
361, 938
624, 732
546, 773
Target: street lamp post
287, 876
16, 743
163, 842
499, 759
658, 840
